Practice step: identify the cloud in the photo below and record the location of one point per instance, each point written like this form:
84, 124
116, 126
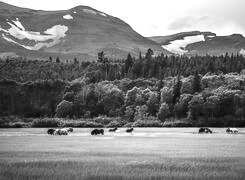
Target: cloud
221, 26
188, 21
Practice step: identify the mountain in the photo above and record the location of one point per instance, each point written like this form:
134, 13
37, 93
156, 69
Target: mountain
202, 43
79, 32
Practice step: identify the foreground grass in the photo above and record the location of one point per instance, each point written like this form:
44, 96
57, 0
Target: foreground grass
186, 155
118, 166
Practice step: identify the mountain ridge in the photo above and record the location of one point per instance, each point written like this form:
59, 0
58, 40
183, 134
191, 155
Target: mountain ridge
206, 43
79, 32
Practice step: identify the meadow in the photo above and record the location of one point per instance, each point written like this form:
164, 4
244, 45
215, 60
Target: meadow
147, 153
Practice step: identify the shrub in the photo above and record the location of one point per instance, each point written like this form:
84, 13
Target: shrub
103, 120
177, 123
163, 112
7, 119
141, 112
46, 122
129, 124
64, 109
69, 96
116, 123
147, 123
129, 113
81, 124
19, 125
92, 124
15, 125
13, 122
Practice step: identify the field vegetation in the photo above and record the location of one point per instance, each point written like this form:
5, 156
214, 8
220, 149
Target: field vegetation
148, 153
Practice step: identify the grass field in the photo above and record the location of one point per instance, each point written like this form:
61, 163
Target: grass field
148, 153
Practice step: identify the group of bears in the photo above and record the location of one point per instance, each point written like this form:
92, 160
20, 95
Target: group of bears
65, 131
207, 130
101, 131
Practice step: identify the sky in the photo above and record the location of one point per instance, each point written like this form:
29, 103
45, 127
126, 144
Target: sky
160, 17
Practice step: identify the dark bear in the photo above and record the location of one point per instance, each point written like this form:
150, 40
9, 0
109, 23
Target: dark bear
130, 130
51, 131
69, 129
205, 130
97, 131
113, 130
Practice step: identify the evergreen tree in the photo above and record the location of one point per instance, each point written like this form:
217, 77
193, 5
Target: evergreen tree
101, 56
149, 54
176, 89
140, 56
57, 60
128, 63
196, 84
75, 61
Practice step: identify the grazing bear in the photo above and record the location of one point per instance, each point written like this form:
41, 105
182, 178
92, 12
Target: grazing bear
205, 130
51, 131
97, 131
69, 129
201, 130
232, 130
57, 132
130, 130
61, 132
113, 130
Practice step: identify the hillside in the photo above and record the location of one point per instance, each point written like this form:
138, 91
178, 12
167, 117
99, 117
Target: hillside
78, 32
201, 43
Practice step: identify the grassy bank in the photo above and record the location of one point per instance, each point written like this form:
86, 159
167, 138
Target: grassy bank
103, 121
169, 156
99, 122
169, 168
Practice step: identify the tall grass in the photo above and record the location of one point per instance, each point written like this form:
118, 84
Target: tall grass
174, 155
170, 168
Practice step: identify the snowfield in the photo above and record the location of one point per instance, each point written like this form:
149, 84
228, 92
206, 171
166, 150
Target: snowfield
178, 46
89, 11
103, 14
18, 24
242, 52
17, 31
68, 17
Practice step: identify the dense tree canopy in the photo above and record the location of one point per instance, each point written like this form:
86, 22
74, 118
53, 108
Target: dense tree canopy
202, 90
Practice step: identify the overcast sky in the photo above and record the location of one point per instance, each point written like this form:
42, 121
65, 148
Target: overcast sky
161, 17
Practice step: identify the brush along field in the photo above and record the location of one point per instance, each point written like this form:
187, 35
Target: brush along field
147, 153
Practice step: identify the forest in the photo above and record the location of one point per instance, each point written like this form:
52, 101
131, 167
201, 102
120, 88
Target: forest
147, 91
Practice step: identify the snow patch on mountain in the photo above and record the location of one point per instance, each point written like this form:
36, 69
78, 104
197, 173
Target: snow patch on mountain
51, 33
178, 46
18, 24
51, 36
89, 11
67, 16
103, 14
242, 52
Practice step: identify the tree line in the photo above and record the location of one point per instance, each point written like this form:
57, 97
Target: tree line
147, 66
157, 89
